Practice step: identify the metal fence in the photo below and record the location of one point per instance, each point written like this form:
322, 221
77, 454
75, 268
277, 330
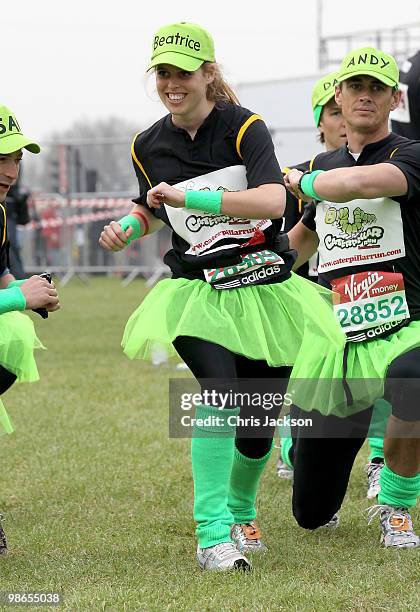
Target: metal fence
76, 187
63, 234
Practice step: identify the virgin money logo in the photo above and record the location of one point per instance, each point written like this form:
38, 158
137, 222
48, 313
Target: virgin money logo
357, 290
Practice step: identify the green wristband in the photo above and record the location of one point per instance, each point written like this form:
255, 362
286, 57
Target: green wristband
12, 299
306, 184
16, 283
207, 201
134, 223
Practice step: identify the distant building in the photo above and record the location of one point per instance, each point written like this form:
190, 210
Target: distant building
285, 106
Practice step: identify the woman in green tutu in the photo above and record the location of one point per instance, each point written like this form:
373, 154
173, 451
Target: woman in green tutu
232, 309
17, 335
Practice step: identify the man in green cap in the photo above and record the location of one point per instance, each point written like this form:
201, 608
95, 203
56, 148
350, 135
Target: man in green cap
365, 222
17, 335
332, 133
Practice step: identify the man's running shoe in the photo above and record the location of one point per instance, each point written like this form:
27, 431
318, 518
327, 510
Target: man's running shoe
373, 470
3, 541
396, 527
284, 471
222, 557
247, 537
332, 524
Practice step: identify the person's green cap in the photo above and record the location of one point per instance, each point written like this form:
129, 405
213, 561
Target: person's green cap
371, 62
323, 91
11, 137
184, 45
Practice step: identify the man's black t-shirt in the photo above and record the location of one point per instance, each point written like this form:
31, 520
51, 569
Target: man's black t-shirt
405, 120
381, 234
293, 213
294, 206
231, 151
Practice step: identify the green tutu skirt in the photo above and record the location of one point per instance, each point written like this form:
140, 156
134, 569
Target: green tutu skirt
17, 343
351, 379
264, 322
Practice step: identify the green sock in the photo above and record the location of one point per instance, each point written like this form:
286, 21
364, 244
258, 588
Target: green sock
398, 491
212, 448
376, 446
286, 445
244, 481
380, 415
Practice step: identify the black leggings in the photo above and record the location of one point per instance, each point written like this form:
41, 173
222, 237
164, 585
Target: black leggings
402, 387
6, 379
322, 465
207, 360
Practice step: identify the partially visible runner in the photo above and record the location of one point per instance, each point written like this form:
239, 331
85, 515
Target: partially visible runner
332, 133
232, 308
367, 224
17, 334
405, 119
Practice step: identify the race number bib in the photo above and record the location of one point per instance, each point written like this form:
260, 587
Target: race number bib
207, 233
370, 304
254, 269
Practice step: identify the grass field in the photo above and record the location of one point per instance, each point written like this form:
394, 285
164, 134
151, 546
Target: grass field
98, 500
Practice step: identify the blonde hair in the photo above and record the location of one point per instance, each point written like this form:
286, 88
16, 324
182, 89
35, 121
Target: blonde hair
219, 90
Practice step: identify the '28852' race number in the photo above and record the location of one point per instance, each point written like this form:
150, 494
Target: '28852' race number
366, 299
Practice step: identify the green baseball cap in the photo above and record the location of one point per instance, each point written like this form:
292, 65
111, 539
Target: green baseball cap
323, 91
371, 62
11, 137
184, 45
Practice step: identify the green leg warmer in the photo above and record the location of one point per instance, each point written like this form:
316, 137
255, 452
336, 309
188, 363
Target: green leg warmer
212, 448
381, 411
376, 446
398, 491
5, 422
286, 445
244, 481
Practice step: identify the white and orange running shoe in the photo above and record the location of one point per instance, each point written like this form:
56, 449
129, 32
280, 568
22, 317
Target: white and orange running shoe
247, 537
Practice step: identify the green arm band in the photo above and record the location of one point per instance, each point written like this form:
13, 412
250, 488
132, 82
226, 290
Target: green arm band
306, 184
207, 201
16, 283
12, 299
135, 224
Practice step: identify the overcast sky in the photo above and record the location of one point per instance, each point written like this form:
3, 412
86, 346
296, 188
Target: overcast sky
64, 60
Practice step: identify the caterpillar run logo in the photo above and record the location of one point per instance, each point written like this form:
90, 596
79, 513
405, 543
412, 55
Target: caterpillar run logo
356, 232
